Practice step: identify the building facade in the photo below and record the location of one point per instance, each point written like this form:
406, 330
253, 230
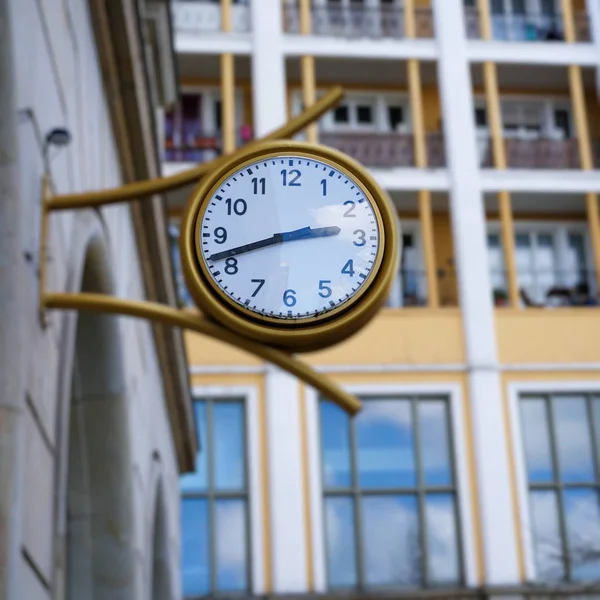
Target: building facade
96, 421
475, 459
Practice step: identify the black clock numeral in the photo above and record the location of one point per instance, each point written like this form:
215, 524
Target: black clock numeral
239, 207
289, 298
350, 211
348, 268
361, 238
325, 289
220, 235
231, 266
294, 174
256, 182
260, 282
324, 184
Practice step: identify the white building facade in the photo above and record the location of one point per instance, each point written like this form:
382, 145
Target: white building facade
95, 413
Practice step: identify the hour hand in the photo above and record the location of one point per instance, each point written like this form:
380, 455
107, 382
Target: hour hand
278, 238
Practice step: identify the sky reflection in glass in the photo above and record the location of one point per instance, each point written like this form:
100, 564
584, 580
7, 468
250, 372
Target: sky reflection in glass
228, 442
574, 444
385, 440
583, 532
546, 533
435, 447
335, 436
442, 539
230, 544
195, 555
536, 440
392, 553
341, 557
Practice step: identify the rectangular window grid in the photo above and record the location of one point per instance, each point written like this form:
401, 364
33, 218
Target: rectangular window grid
390, 495
561, 445
215, 517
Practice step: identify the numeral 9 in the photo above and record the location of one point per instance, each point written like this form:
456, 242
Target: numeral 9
220, 235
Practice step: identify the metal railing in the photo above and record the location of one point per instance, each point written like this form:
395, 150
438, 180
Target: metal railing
359, 21
550, 288
528, 27
188, 142
541, 153
385, 149
203, 16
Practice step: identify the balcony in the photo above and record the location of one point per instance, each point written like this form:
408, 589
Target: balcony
385, 149
527, 27
204, 16
188, 142
541, 153
359, 21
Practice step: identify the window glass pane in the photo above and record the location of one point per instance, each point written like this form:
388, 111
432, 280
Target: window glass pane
575, 259
435, 447
228, 441
442, 540
545, 266
195, 553
198, 481
518, 7
392, 553
480, 117
335, 438
536, 440
341, 558
596, 417
573, 439
230, 545
497, 7
523, 258
340, 114
395, 116
583, 532
385, 451
364, 114
546, 535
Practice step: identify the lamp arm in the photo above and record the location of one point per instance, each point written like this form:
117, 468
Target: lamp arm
168, 315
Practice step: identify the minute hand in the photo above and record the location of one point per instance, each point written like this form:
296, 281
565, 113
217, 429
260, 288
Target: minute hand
279, 238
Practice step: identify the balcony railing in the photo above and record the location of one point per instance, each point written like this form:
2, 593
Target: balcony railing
385, 149
190, 143
539, 153
551, 288
528, 27
359, 21
203, 16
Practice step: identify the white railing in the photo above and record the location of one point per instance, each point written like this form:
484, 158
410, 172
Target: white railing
200, 16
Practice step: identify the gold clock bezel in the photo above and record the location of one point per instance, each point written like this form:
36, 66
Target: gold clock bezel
304, 333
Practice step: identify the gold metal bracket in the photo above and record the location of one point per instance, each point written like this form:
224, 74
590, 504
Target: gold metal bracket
166, 314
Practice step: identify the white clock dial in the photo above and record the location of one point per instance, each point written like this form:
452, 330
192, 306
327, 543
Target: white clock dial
289, 237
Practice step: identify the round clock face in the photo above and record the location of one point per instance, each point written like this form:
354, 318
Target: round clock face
289, 237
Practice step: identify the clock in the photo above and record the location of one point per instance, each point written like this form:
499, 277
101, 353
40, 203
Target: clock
290, 244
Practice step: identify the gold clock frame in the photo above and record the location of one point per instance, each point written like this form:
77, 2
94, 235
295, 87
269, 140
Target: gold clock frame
309, 333
169, 315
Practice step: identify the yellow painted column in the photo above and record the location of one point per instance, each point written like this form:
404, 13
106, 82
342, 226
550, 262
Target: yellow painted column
227, 86
499, 152
420, 148
307, 66
583, 135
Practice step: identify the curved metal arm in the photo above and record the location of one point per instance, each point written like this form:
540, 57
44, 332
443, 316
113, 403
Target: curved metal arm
178, 318
141, 189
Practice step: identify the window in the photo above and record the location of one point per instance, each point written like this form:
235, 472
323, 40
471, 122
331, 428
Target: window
551, 264
364, 114
390, 494
560, 441
395, 117
214, 505
341, 114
